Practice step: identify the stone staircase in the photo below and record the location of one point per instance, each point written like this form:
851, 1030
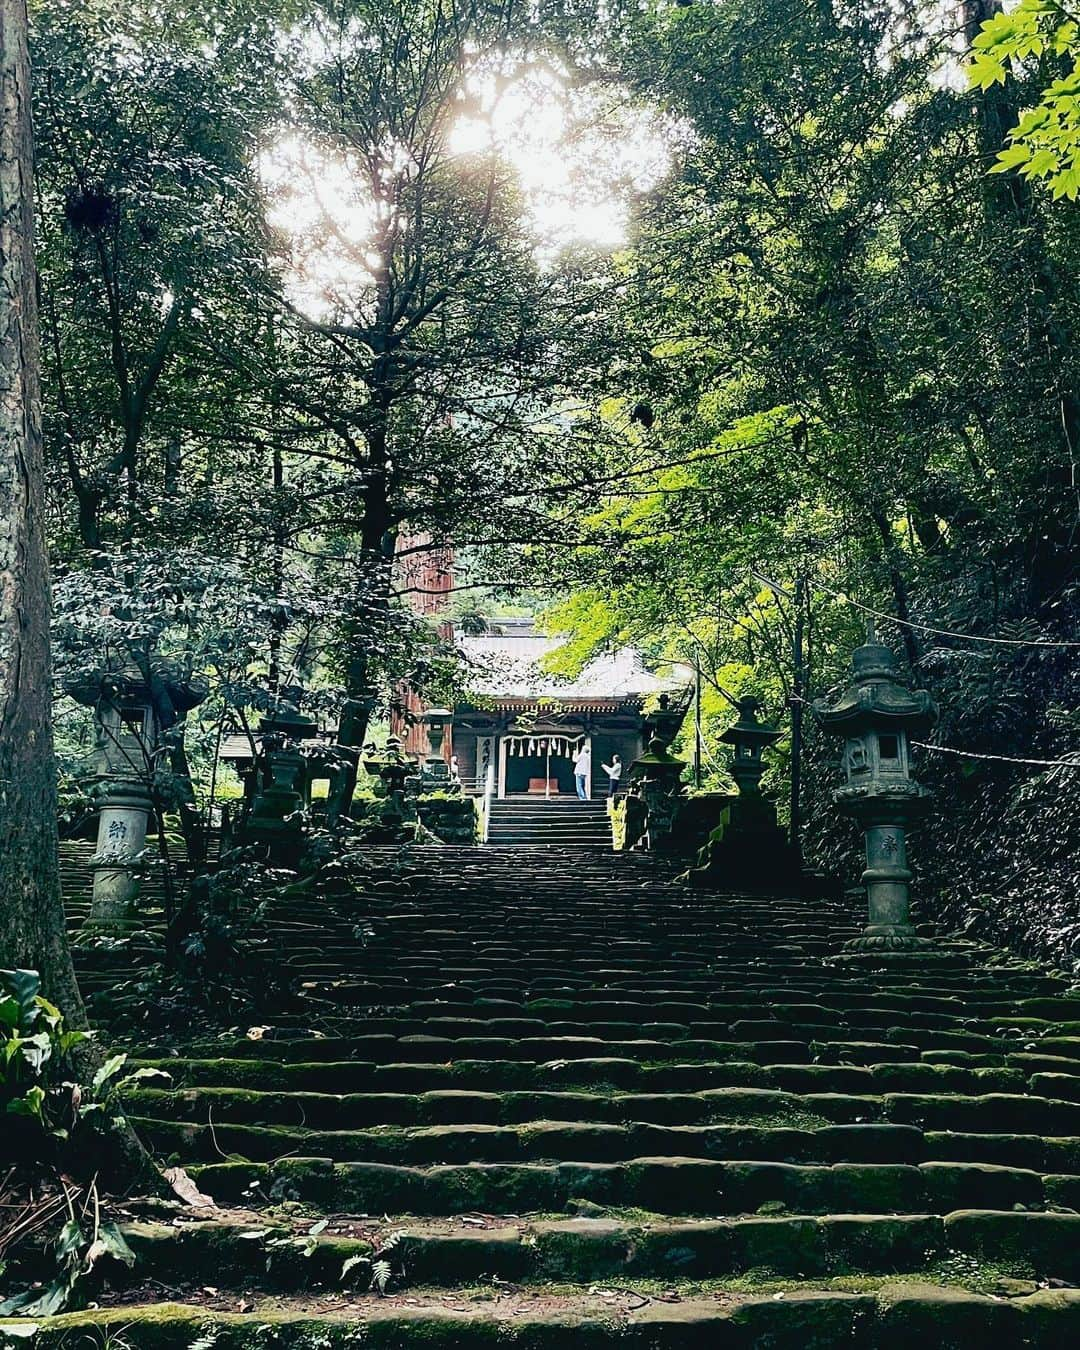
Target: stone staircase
562, 822
568, 1103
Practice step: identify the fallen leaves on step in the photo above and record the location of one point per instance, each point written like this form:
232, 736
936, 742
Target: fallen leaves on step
186, 1189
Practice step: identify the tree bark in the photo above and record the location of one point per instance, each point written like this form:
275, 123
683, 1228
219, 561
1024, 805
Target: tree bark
32, 931
378, 539
33, 934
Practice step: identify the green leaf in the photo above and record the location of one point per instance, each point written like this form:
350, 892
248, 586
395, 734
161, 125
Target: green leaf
23, 986
108, 1070
70, 1242
51, 1301
983, 71
1011, 157
110, 1242
53, 1015
1042, 164
70, 1039
30, 1104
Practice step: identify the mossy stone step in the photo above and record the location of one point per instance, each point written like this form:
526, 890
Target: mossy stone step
888, 1317
992, 1113
582, 1250
555, 1140
666, 1064
493, 1075
663, 1185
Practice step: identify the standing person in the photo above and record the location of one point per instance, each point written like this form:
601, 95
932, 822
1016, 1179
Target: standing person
583, 770
614, 773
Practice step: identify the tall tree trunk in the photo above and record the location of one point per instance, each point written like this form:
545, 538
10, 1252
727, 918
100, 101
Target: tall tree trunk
32, 932
378, 541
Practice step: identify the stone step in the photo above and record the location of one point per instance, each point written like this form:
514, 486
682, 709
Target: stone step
589, 1141
662, 1185
585, 1249
889, 1316
495, 1075
578, 1079
993, 1113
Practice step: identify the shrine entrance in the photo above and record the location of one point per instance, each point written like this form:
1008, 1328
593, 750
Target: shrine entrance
540, 764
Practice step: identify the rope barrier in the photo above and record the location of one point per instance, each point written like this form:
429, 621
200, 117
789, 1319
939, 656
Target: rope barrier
1003, 759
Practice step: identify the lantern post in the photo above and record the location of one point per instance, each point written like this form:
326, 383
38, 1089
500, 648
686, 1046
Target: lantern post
275, 821
877, 715
132, 711
436, 771
748, 738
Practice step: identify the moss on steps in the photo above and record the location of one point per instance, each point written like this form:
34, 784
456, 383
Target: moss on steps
619, 1048
588, 1249
664, 1184
545, 1140
891, 1316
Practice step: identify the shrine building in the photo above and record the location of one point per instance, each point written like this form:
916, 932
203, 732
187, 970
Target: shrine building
526, 725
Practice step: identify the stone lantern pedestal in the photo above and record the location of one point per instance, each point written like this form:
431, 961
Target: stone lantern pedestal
117, 860
877, 715
435, 776
396, 771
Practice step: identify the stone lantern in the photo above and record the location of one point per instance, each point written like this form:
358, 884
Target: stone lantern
395, 768
436, 772
877, 715
275, 820
132, 711
747, 850
396, 771
748, 739
663, 722
655, 794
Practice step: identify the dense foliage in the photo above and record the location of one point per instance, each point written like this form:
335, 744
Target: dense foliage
850, 358
297, 329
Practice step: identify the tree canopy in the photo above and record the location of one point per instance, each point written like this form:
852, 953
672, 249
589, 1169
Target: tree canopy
307, 313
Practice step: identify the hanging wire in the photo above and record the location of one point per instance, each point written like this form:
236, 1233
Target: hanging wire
944, 632
912, 623
1003, 759
975, 754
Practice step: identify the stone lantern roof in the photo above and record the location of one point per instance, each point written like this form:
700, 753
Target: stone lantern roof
127, 683
877, 698
657, 761
748, 730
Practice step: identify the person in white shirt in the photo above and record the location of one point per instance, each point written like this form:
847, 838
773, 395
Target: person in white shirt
583, 770
614, 773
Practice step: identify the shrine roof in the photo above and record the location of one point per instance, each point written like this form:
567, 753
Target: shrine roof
506, 662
